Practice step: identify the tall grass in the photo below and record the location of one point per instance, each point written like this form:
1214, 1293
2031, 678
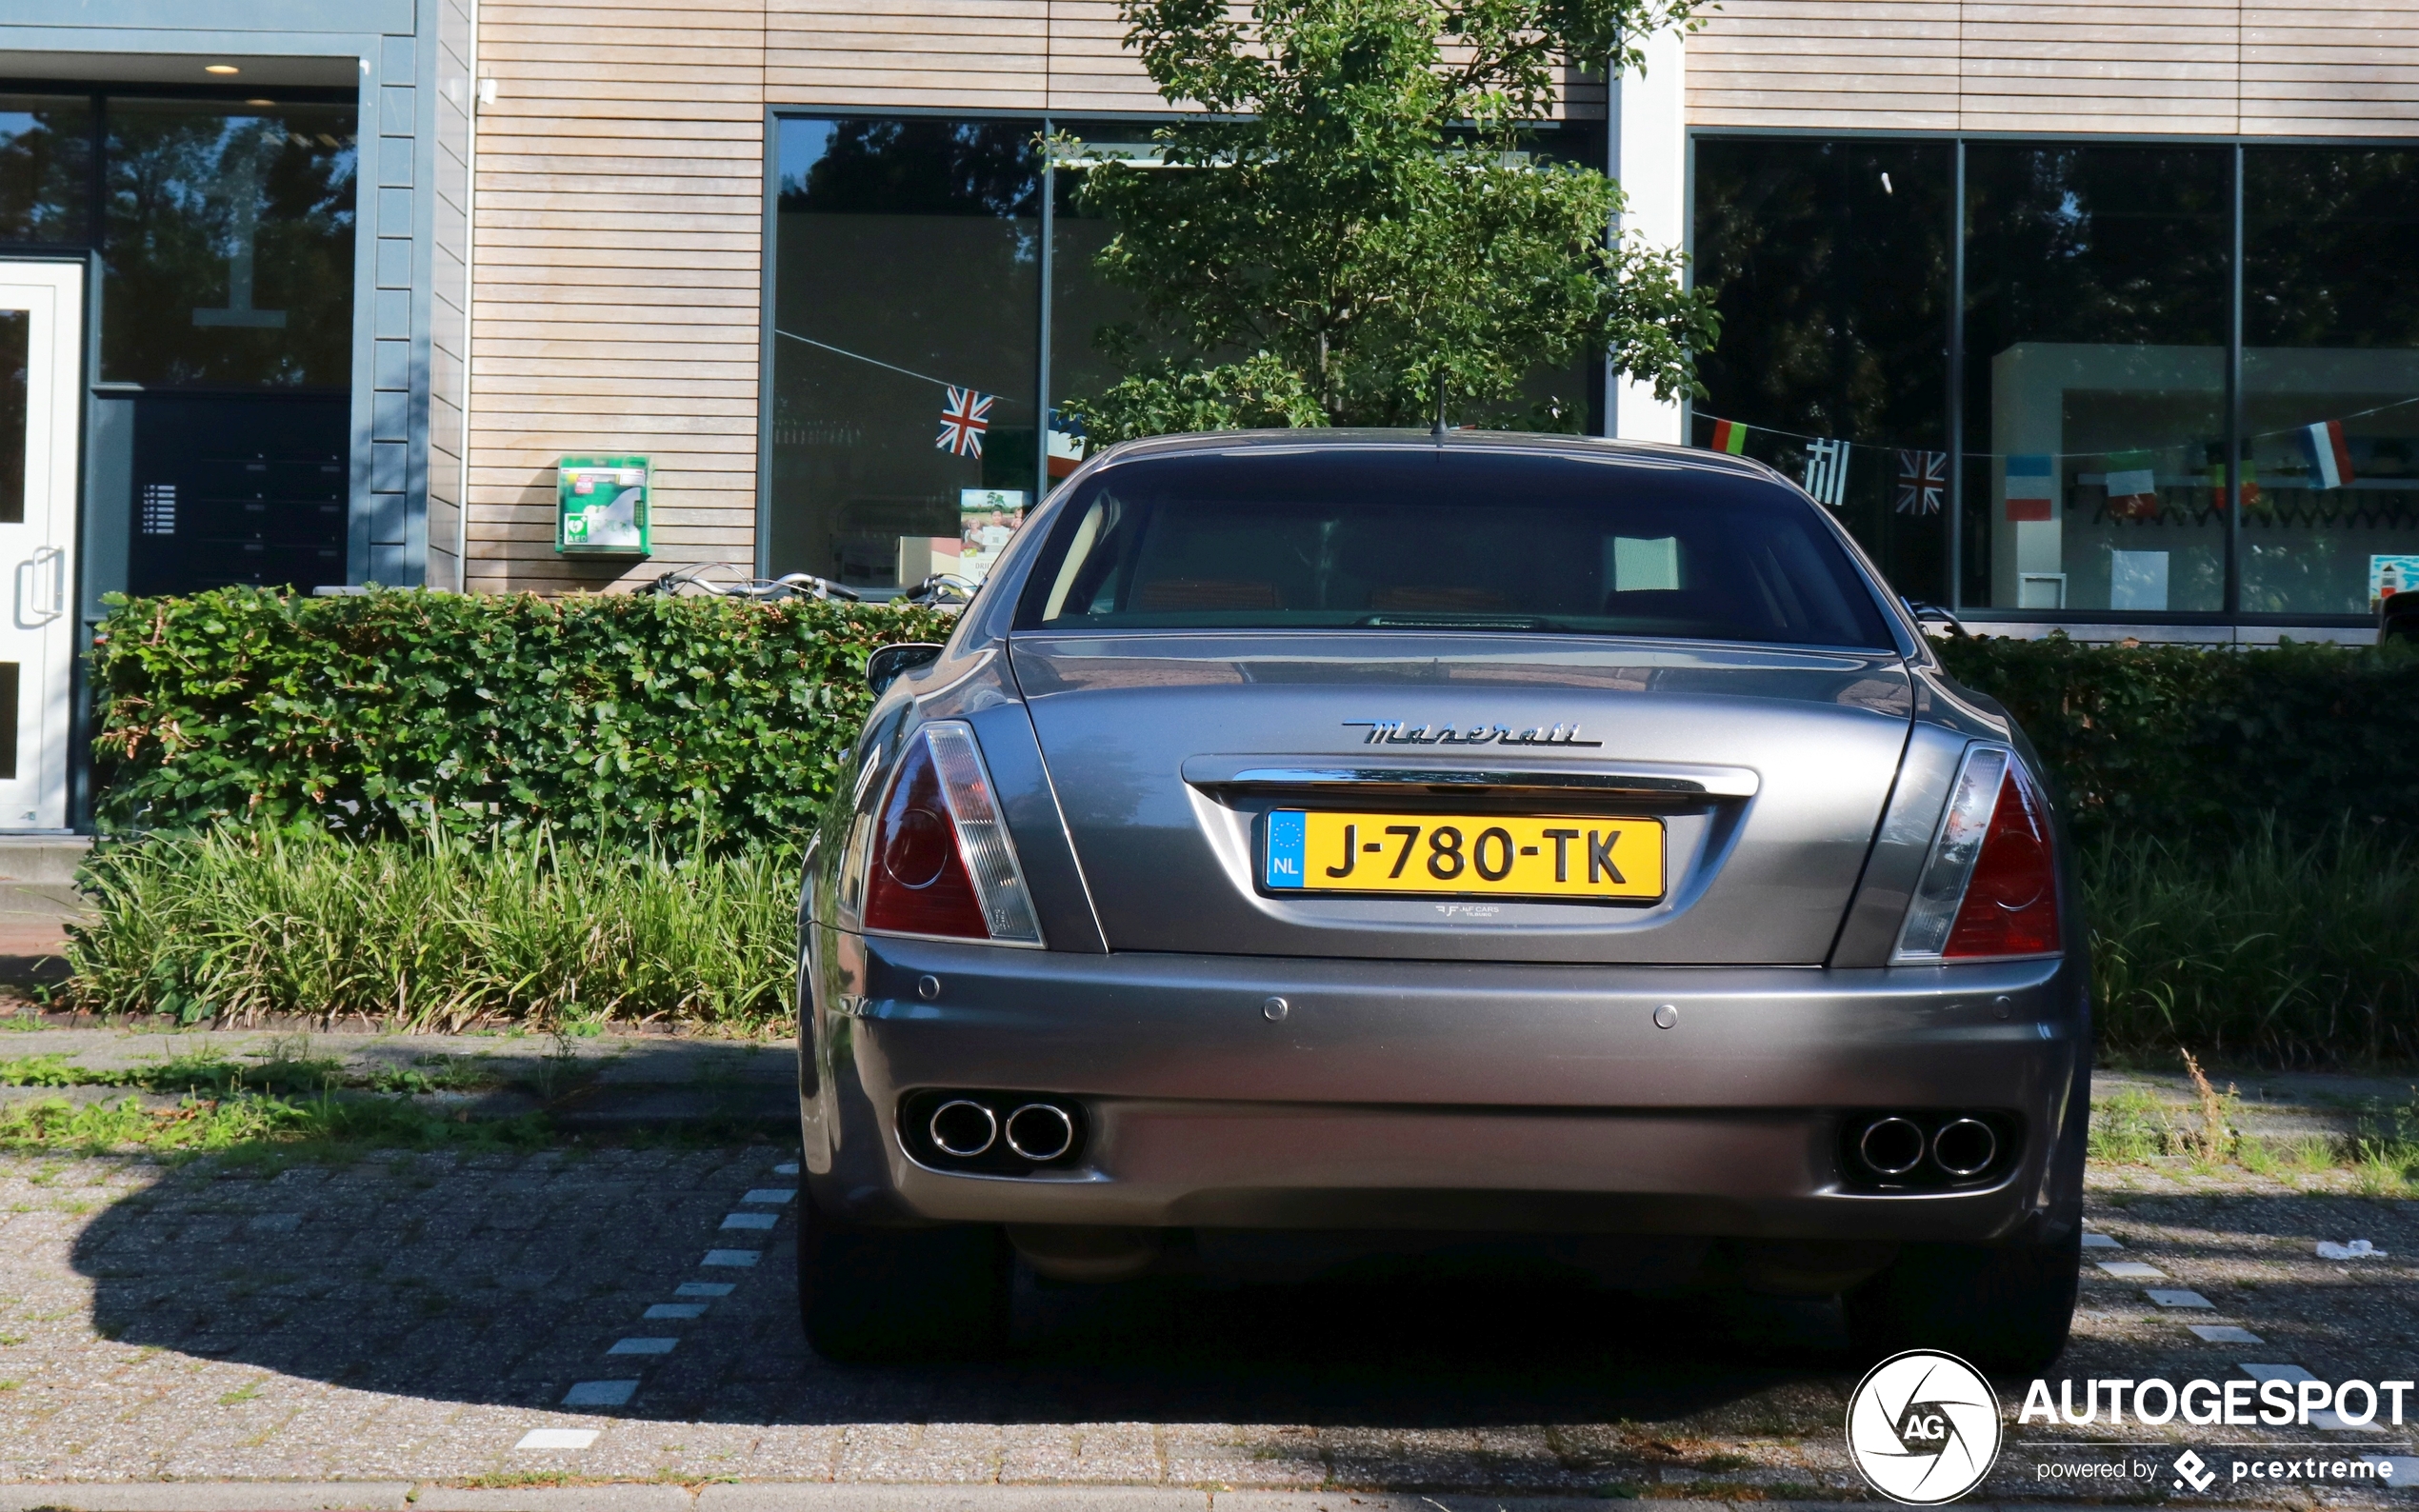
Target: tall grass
2291, 951
236, 923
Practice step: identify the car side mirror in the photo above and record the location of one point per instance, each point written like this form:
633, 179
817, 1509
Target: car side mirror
883, 667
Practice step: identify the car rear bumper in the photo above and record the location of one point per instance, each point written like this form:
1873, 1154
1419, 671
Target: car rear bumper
1428, 1096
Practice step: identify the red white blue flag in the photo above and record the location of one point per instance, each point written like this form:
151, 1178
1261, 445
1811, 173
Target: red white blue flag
1923, 481
964, 418
2330, 459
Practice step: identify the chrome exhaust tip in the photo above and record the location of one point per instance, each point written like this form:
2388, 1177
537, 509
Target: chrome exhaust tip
963, 1128
1891, 1146
1041, 1131
1965, 1146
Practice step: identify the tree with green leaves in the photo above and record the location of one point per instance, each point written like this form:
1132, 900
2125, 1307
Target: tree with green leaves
1348, 222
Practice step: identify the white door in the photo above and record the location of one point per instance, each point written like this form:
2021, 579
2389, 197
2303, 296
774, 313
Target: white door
41, 376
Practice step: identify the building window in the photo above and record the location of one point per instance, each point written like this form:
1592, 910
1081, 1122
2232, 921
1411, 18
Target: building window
2331, 377
907, 308
227, 257
1830, 262
2105, 381
46, 169
2097, 281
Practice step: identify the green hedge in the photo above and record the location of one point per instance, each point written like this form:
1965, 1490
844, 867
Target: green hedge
2180, 744
623, 716
617, 716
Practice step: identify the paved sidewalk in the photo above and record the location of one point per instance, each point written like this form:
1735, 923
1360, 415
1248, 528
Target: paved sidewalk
475, 1326
400, 1494
614, 1328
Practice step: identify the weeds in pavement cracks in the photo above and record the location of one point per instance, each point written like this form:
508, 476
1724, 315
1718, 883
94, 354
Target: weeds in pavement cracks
2133, 1125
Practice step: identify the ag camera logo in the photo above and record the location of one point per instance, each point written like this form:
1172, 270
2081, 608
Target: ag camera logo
1923, 1427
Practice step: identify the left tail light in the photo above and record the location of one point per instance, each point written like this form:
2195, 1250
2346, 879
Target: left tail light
940, 862
1990, 888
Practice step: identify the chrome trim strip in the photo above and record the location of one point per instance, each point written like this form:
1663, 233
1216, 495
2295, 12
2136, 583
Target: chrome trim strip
1716, 782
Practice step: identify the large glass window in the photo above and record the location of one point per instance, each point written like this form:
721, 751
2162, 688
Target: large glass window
905, 311
1830, 261
46, 168
2097, 285
2331, 377
227, 257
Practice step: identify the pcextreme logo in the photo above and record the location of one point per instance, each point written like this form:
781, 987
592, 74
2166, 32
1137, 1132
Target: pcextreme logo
1923, 1427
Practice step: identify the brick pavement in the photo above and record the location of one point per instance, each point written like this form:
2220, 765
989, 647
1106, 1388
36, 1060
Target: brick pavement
408, 1318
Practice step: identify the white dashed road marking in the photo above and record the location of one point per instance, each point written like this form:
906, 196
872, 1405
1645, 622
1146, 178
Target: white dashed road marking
2100, 1242
2133, 1270
618, 1393
2180, 1299
2226, 1334
558, 1437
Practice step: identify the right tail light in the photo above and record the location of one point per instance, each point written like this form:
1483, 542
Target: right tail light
940, 862
1990, 888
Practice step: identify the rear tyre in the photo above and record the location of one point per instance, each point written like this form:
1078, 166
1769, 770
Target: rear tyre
2000, 1308
901, 1295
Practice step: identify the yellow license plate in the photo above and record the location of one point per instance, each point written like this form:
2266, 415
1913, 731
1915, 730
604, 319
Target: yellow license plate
1488, 855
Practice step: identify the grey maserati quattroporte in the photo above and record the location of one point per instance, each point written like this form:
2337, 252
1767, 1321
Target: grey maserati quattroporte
1313, 846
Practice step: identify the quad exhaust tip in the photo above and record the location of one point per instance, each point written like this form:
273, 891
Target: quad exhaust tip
1040, 1131
1891, 1146
1925, 1148
1965, 1146
964, 1128
993, 1133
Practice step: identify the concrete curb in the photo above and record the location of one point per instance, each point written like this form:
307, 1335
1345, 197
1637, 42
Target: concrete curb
205, 1495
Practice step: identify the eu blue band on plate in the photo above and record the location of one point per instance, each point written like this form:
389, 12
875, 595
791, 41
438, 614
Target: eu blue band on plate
1284, 849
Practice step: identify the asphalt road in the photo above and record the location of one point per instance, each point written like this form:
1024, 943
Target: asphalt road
414, 1317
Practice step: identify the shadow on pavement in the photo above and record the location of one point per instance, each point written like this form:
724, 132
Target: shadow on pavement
503, 1279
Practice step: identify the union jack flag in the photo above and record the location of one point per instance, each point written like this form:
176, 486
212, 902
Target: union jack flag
1923, 481
964, 418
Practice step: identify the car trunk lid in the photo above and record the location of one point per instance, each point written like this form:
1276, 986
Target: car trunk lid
1766, 769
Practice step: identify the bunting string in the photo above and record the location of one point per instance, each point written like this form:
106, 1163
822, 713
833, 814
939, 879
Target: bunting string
2139, 484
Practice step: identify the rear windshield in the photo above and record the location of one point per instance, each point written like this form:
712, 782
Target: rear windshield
1373, 539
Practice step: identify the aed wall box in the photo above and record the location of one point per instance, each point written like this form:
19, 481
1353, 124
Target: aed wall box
602, 506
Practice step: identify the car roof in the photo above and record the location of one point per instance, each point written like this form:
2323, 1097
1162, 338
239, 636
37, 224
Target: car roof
1648, 454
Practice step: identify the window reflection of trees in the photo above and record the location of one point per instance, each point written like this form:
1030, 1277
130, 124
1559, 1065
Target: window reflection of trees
229, 254
46, 155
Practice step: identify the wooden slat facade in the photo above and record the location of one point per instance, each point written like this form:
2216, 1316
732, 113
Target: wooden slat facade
2035, 66
620, 181
618, 257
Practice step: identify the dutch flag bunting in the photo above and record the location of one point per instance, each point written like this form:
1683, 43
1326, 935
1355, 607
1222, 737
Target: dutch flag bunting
2330, 459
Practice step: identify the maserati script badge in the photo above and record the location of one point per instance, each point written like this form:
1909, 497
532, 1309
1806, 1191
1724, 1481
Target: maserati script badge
1402, 732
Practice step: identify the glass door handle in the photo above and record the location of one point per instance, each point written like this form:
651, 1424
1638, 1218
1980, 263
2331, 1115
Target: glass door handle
48, 568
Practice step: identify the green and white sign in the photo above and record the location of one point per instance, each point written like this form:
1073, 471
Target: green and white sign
602, 506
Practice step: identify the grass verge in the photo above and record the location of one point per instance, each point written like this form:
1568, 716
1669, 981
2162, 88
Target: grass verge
235, 924
255, 1122
2285, 950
